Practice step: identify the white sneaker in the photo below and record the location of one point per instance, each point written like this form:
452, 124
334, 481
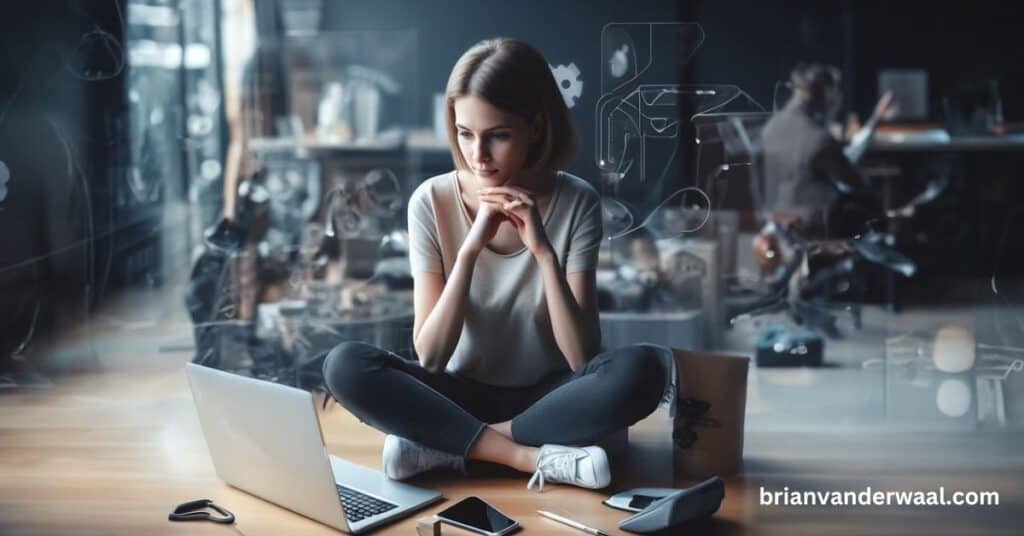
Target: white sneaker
586, 467
404, 459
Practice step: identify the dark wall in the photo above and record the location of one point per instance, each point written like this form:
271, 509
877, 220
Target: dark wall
958, 41
565, 31
53, 144
754, 44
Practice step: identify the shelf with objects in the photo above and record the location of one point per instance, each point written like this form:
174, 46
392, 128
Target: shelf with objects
314, 252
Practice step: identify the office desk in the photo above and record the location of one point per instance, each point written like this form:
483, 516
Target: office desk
933, 138
958, 234
413, 141
300, 149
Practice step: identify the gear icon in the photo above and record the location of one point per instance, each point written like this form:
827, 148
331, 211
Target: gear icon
568, 79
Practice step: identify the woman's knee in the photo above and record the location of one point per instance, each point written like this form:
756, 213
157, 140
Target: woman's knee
642, 372
345, 366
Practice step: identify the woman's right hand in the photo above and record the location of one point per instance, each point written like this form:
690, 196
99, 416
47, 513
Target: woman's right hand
485, 226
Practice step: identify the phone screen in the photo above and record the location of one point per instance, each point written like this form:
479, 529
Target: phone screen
473, 512
641, 501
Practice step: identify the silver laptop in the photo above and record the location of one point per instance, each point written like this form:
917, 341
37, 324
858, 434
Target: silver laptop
265, 439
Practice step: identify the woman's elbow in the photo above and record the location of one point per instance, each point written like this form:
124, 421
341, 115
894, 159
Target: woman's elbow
430, 360
580, 359
433, 367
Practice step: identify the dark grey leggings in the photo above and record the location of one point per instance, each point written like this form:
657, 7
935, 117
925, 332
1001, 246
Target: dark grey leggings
447, 412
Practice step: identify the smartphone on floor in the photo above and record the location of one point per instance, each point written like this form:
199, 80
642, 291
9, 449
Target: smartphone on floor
473, 513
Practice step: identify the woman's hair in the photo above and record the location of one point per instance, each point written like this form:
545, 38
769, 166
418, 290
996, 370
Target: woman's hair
515, 77
814, 79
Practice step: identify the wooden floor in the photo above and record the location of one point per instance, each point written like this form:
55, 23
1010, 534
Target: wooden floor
112, 449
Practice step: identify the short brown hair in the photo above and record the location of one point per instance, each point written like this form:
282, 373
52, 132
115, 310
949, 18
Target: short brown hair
815, 78
515, 77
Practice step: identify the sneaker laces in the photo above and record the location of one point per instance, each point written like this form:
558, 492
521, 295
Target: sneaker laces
558, 466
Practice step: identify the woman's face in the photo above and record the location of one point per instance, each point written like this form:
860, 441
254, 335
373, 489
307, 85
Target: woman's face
493, 142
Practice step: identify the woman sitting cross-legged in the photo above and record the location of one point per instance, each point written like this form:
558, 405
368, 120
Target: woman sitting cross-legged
503, 252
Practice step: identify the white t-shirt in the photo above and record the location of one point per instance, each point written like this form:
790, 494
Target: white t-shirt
506, 338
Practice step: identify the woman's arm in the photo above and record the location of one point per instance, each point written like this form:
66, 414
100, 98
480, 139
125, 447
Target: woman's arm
862, 139
440, 306
572, 305
440, 310
234, 168
572, 299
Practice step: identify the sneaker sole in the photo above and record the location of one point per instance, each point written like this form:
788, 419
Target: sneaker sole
599, 458
390, 452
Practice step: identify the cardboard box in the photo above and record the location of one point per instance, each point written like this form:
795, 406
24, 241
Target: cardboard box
720, 381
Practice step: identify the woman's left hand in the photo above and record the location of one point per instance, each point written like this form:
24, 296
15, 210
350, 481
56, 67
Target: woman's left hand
521, 209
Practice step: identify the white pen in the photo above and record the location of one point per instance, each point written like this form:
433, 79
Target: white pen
571, 523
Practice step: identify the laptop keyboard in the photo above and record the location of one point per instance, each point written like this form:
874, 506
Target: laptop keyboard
359, 506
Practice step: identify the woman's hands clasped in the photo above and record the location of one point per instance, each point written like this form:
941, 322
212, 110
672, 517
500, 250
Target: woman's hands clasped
519, 207
485, 226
